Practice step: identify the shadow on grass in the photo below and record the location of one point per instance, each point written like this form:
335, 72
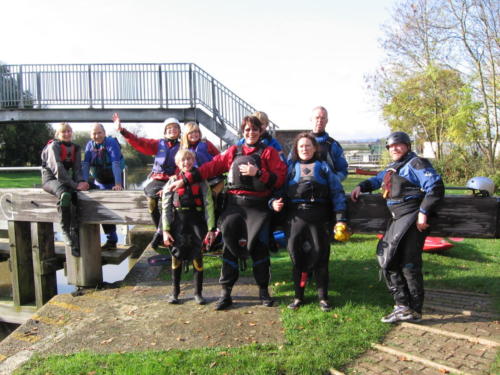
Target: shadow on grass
351, 282
464, 251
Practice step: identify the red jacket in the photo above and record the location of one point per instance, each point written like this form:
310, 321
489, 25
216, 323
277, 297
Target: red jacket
271, 164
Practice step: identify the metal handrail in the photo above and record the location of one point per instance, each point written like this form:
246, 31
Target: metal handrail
165, 85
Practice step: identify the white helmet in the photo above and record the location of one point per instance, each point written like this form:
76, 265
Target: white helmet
484, 186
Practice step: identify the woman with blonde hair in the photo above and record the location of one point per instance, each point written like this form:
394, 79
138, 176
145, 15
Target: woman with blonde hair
204, 151
192, 140
62, 177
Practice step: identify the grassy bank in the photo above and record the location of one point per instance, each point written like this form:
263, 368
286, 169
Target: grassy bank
20, 179
315, 341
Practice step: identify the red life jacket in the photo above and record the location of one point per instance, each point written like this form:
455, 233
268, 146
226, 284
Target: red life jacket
67, 154
188, 197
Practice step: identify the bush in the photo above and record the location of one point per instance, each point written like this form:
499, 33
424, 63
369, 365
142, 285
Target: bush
457, 168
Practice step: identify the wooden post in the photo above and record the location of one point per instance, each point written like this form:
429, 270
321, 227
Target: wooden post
44, 262
23, 287
86, 270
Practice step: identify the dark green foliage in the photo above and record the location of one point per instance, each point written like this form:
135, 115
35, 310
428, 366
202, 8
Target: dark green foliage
21, 144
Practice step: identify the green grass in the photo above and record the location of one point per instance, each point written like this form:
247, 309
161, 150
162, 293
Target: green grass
315, 341
20, 179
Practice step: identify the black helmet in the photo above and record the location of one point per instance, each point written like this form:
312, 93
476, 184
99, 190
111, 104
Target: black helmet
398, 137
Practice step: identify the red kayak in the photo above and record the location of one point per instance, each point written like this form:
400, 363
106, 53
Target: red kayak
432, 244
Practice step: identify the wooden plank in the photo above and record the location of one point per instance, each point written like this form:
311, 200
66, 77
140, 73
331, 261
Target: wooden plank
42, 238
86, 270
23, 287
117, 256
96, 206
464, 216
15, 314
461, 216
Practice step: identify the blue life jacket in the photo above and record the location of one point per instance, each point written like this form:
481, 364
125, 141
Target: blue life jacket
315, 182
308, 183
165, 157
202, 154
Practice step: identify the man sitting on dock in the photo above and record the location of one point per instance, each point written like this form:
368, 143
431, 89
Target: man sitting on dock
104, 161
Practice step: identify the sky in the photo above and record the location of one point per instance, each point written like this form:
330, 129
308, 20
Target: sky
283, 57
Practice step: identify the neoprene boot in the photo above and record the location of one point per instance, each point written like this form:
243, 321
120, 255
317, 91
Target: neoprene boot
176, 285
265, 298
198, 287
69, 236
225, 299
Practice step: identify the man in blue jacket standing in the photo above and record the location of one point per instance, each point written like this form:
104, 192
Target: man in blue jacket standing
329, 149
412, 189
104, 161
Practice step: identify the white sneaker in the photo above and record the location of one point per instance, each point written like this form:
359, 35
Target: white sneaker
399, 314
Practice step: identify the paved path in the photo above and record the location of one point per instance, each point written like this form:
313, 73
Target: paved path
136, 316
459, 334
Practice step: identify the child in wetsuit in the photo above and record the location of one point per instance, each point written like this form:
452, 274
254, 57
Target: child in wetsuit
188, 219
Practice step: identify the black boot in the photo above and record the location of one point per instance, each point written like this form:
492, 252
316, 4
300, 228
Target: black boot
265, 298
176, 286
109, 245
75, 239
198, 279
225, 299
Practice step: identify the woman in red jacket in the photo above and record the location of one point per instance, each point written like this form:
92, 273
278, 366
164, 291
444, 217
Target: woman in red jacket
255, 170
164, 167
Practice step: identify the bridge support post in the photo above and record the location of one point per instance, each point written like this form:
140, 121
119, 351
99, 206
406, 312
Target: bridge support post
21, 262
86, 270
45, 263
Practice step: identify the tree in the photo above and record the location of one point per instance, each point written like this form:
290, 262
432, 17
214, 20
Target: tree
475, 25
22, 144
433, 45
431, 105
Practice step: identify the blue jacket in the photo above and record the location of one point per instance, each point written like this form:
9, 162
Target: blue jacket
419, 173
335, 157
107, 155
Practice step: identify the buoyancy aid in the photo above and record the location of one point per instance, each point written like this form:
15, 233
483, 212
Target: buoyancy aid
236, 181
307, 183
201, 152
188, 197
165, 157
396, 187
324, 150
100, 160
67, 153
403, 196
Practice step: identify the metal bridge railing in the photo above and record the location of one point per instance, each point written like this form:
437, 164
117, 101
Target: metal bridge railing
166, 85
